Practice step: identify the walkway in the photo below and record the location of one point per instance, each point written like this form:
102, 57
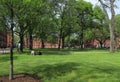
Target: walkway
4, 50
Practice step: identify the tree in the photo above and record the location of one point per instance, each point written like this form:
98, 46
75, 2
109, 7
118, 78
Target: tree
59, 7
117, 24
7, 9
101, 33
64, 13
117, 29
69, 21
111, 23
44, 24
84, 13
21, 15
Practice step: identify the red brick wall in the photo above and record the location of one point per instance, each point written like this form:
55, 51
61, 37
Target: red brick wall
3, 39
38, 44
8, 39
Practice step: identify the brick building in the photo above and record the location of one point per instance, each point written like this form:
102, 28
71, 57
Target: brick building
38, 44
4, 39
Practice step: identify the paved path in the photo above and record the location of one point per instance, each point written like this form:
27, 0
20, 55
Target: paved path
4, 51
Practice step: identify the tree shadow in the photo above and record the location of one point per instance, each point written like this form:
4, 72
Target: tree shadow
52, 71
49, 51
5, 58
93, 71
83, 71
53, 51
56, 52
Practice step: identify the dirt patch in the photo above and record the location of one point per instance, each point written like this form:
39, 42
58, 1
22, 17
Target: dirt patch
20, 78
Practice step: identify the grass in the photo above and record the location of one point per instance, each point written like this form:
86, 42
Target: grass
67, 66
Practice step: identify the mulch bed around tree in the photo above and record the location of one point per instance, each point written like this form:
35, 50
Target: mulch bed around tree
20, 78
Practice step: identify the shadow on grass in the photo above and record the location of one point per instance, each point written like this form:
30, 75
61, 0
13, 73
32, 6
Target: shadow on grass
95, 72
50, 51
5, 58
53, 71
83, 71
56, 52
67, 51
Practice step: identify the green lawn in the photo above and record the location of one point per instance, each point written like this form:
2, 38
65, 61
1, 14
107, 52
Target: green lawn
67, 66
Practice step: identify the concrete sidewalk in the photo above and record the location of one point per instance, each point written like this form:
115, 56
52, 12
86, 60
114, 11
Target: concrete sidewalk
4, 50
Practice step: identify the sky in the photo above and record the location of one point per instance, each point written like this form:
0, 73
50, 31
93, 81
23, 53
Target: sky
94, 2
117, 10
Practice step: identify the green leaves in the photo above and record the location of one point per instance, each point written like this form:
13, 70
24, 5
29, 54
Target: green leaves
98, 13
117, 25
26, 1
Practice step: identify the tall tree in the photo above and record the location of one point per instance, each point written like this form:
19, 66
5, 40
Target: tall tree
117, 24
64, 11
21, 15
7, 9
101, 33
69, 21
111, 24
84, 12
43, 21
117, 29
59, 7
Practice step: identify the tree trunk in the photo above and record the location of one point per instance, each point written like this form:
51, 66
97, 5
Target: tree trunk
110, 24
12, 42
112, 40
101, 43
63, 42
11, 55
68, 42
21, 42
79, 41
27, 41
30, 38
43, 46
59, 43
82, 39
112, 34
30, 42
59, 39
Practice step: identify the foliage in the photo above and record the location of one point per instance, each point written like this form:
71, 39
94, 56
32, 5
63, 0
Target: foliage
56, 21
117, 23
84, 13
100, 33
111, 24
8, 16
